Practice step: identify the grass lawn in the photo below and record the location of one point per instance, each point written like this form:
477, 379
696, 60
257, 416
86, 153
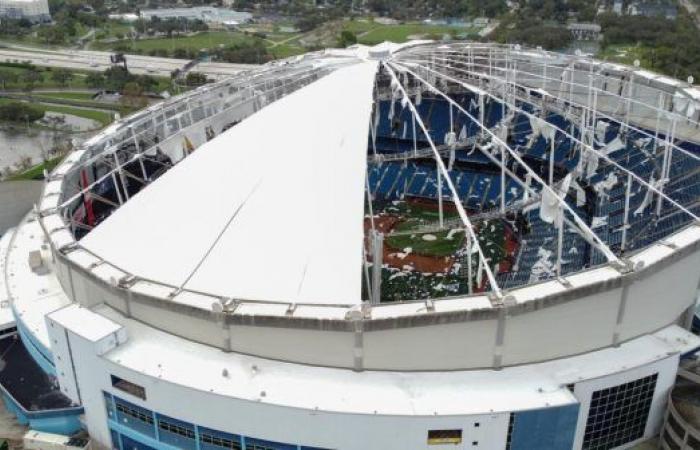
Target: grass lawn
208, 40
112, 29
105, 118
286, 50
82, 100
374, 33
78, 81
360, 26
624, 54
83, 96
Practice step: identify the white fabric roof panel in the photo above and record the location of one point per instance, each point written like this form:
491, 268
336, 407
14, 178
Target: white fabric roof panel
270, 210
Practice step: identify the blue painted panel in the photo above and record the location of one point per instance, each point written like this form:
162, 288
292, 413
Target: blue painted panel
130, 444
216, 440
133, 416
550, 428
65, 421
12, 407
115, 439
38, 352
176, 432
260, 444
141, 439
66, 424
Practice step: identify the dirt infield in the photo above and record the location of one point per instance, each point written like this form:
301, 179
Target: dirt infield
398, 259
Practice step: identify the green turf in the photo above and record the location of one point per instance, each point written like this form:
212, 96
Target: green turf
441, 246
400, 285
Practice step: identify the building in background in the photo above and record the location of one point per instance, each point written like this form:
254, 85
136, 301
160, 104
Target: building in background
33, 10
207, 14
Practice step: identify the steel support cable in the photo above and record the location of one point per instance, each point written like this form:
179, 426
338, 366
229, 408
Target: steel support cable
578, 104
455, 197
585, 146
562, 202
134, 158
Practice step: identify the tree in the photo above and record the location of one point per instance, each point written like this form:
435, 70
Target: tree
62, 76
7, 76
20, 112
347, 38
95, 80
52, 34
195, 79
253, 52
141, 25
31, 77
132, 95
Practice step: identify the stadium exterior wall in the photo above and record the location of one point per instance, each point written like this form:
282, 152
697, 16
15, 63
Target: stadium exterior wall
557, 427
547, 325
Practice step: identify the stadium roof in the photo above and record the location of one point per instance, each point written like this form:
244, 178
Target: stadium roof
270, 210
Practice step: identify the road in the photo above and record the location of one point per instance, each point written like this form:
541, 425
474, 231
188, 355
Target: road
99, 61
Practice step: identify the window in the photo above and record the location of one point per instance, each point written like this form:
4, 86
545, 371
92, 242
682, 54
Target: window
218, 441
259, 444
618, 414
436, 437
134, 413
176, 433
175, 429
129, 387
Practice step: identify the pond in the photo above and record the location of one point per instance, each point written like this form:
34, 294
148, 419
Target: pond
19, 142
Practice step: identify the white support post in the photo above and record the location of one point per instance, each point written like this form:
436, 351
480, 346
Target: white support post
628, 107
122, 178
658, 124
138, 150
415, 143
666, 165
560, 237
544, 74
551, 162
116, 188
626, 219
377, 255
470, 274
439, 188
482, 113
452, 123
503, 180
